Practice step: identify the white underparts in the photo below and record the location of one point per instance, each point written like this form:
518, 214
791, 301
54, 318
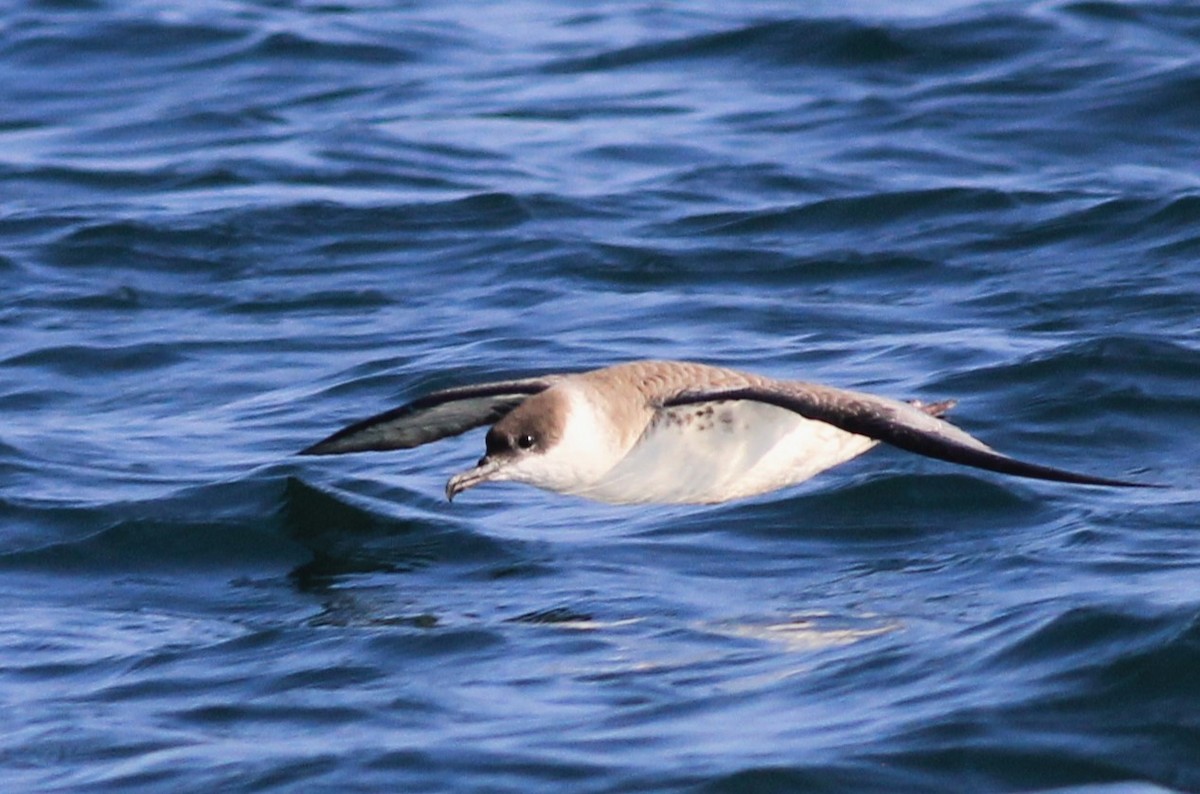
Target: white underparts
713, 452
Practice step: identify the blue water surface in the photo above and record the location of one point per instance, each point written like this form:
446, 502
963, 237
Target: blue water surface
230, 226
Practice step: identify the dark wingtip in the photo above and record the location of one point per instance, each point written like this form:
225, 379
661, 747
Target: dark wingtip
339, 443
316, 449
1129, 484
362, 436
1074, 478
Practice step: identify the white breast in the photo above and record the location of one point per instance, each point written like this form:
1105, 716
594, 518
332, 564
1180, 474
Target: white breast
712, 452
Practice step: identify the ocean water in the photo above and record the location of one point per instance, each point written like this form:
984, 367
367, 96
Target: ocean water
228, 227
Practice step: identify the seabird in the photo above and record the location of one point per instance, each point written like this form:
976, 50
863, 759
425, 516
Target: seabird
672, 432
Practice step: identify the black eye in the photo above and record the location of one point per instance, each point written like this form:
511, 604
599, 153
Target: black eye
525, 441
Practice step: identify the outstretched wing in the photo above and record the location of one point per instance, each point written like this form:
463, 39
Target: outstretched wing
893, 422
432, 417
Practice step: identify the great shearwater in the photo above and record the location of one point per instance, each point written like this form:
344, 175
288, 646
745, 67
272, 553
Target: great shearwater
672, 432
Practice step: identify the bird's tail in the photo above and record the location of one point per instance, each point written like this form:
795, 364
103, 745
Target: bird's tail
934, 409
